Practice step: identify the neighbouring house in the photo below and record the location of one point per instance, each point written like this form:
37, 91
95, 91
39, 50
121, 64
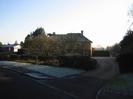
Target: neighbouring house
11, 48
72, 44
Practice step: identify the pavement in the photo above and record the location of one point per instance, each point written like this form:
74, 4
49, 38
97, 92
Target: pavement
40, 71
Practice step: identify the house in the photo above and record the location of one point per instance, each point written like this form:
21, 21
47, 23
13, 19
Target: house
11, 48
72, 44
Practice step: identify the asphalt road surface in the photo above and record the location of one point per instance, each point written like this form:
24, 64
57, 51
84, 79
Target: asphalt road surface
14, 85
107, 68
18, 86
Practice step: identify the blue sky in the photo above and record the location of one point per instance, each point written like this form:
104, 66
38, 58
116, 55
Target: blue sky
103, 21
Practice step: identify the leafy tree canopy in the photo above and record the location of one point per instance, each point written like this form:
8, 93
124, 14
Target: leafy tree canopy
38, 43
38, 31
127, 42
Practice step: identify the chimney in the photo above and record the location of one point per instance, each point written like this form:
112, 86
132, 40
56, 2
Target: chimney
82, 32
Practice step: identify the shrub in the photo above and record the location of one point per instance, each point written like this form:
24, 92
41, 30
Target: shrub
26, 57
45, 60
5, 55
14, 56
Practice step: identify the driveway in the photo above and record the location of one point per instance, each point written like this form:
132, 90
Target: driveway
107, 68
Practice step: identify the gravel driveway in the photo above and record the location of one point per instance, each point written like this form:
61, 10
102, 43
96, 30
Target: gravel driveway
107, 68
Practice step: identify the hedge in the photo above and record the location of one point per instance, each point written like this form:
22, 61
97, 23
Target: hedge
79, 62
125, 62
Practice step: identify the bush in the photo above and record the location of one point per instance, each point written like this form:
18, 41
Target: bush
14, 56
125, 62
79, 62
26, 57
9, 56
5, 55
45, 60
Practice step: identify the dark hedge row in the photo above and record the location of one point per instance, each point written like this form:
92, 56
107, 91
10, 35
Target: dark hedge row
80, 62
125, 62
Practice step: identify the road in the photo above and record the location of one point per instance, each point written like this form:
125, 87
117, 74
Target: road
107, 68
14, 85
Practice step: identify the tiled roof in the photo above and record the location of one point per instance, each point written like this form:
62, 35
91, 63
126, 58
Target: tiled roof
77, 36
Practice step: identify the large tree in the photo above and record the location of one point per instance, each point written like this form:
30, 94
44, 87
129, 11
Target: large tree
38, 32
127, 43
125, 59
114, 50
36, 42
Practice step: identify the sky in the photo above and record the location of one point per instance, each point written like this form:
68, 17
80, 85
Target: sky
104, 22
